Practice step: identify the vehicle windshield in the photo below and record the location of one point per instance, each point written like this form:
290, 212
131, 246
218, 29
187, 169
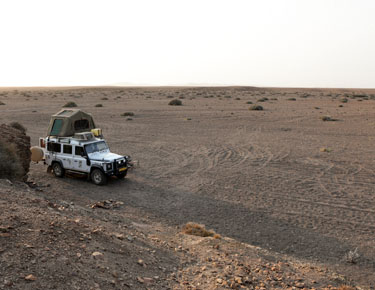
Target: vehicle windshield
96, 147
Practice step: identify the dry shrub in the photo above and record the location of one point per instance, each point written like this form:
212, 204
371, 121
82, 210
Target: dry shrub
98, 105
18, 126
263, 99
256, 108
1, 103
175, 102
127, 114
10, 166
328, 119
70, 105
195, 229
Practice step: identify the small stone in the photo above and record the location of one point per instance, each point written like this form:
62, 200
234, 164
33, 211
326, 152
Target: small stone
119, 236
238, 280
148, 280
30, 277
97, 254
140, 280
140, 262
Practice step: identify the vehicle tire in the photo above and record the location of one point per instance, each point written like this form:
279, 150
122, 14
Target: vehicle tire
122, 174
98, 177
58, 170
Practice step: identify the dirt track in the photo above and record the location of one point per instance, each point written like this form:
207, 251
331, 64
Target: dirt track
260, 177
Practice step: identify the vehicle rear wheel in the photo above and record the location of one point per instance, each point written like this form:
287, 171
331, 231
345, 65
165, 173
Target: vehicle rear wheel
122, 174
58, 170
98, 177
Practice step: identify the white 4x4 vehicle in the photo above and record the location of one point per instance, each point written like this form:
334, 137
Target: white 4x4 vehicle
85, 154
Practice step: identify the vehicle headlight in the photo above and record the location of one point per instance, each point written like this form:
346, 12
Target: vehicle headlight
109, 166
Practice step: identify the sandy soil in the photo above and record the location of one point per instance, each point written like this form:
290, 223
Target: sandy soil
280, 179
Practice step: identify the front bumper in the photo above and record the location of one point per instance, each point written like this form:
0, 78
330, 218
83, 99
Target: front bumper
119, 166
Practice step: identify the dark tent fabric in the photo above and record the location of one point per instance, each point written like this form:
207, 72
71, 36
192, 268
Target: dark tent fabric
67, 122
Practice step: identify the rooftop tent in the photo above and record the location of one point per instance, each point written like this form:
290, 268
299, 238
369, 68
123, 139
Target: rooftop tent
67, 122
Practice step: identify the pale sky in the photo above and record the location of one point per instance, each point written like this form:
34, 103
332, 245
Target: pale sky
287, 43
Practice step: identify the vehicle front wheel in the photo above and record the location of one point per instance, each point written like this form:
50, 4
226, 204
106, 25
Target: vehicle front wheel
98, 177
122, 175
58, 170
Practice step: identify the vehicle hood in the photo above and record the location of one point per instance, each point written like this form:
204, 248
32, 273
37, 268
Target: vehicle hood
104, 156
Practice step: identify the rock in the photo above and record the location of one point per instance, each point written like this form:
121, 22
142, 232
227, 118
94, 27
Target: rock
97, 254
19, 146
30, 277
148, 280
140, 280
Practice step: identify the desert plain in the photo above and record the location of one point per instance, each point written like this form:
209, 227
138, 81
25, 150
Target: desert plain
290, 190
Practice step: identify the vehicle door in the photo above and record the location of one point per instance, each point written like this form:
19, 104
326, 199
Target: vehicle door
67, 156
79, 162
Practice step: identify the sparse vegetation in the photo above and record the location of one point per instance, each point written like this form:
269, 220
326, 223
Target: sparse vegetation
175, 102
195, 229
104, 99
344, 100
10, 166
256, 108
249, 102
327, 119
18, 126
346, 287
70, 105
263, 99
352, 256
127, 114
98, 105
292, 99
1, 103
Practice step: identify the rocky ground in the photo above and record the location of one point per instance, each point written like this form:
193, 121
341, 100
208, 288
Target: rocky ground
289, 188
56, 244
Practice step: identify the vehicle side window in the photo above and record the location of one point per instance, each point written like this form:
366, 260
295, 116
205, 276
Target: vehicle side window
54, 147
81, 124
67, 149
79, 151
57, 124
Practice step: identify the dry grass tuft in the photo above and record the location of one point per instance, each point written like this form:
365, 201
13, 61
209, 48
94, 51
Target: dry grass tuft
195, 229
